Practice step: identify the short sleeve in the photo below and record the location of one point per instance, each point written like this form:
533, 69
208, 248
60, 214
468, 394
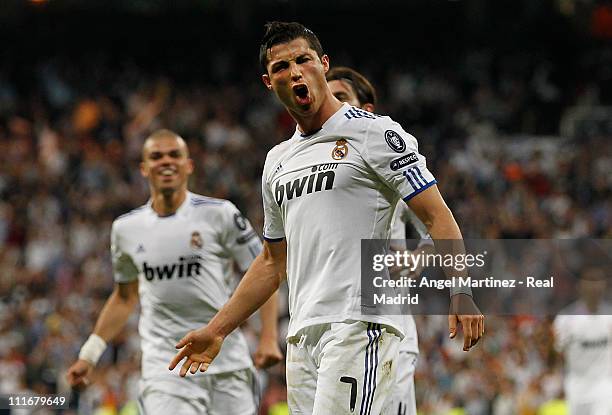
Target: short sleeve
561, 332
274, 229
124, 268
239, 238
394, 156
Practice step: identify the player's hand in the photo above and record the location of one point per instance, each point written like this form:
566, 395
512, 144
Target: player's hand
78, 374
268, 353
415, 266
198, 348
397, 271
463, 310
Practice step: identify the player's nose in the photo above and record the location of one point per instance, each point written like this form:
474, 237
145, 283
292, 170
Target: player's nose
296, 73
166, 159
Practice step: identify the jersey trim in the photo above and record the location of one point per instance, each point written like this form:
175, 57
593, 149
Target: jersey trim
416, 192
273, 239
311, 134
202, 200
371, 366
131, 212
354, 112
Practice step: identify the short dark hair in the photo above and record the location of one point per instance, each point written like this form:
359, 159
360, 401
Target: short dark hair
366, 94
284, 32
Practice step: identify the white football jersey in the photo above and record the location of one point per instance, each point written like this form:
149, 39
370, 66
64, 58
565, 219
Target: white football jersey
586, 343
326, 192
183, 263
401, 216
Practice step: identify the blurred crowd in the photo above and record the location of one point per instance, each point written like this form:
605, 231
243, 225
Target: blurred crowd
70, 145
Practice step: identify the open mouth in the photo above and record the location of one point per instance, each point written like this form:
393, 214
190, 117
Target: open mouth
167, 172
301, 93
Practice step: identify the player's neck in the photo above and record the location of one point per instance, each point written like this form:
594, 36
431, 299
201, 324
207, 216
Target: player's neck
312, 123
166, 204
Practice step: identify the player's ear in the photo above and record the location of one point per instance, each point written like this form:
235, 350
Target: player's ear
143, 169
325, 62
368, 107
266, 80
190, 166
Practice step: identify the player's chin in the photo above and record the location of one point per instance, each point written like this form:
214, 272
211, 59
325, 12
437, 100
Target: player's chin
305, 108
167, 188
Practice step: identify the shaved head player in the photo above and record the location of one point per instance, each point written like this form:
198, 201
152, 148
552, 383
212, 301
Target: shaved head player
175, 255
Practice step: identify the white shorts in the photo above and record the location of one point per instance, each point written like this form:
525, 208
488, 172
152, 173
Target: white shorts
231, 393
404, 401
342, 368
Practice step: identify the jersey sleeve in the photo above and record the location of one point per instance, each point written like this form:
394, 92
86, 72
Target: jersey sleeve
394, 156
124, 268
239, 238
562, 332
273, 229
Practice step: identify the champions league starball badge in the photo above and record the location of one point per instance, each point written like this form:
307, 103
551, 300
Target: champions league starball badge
395, 141
240, 221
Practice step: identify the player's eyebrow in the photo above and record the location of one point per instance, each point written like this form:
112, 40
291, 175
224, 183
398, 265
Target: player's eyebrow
282, 64
278, 65
176, 153
302, 56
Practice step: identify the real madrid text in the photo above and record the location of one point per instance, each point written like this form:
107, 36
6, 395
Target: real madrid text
461, 282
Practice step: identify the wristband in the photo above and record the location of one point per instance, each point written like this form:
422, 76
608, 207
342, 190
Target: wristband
93, 349
460, 290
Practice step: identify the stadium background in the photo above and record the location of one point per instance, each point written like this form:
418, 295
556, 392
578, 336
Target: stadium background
510, 101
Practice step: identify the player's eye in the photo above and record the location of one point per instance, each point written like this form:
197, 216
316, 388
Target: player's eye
155, 156
175, 154
302, 59
341, 96
277, 67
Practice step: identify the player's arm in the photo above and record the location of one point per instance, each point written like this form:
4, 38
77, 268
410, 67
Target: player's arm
111, 321
268, 352
394, 156
430, 208
244, 244
402, 216
199, 347
117, 310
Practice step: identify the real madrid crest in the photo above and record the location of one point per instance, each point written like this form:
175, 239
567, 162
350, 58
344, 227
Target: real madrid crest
196, 240
341, 150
